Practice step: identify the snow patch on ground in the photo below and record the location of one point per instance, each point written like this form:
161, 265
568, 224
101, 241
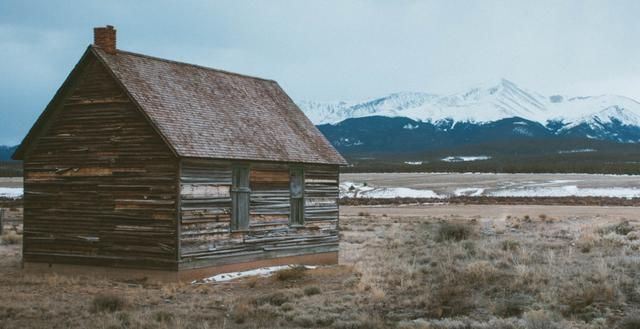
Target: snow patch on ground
401, 192
563, 181
552, 188
570, 190
576, 151
413, 163
11, 192
361, 190
465, 158
263, 271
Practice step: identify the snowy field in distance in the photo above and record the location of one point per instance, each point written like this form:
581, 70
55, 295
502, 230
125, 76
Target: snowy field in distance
444, 185
361, 190
10, 192
576, 151
466, 158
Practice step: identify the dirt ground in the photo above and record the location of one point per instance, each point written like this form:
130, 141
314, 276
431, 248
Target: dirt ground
439, 266
498, 212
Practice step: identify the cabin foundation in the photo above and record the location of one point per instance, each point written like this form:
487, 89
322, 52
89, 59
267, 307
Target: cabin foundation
188, 275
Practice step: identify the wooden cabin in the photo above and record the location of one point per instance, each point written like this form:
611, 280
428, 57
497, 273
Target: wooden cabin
147, 163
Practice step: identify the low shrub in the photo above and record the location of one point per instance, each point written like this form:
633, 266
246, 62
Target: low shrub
107, 303
286, 307
294, 273
304, 321
510, 245
11, 237
540, 320
453, 231
310, 291
275, 299
513, 305
579, 297
451, 299
480, 272
631, 321
585, 248
623, 228
241, 312
470, 248
351, 282
361, 323
163, 316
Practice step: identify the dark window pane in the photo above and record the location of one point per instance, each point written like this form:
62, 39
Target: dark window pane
240, 198
296, 188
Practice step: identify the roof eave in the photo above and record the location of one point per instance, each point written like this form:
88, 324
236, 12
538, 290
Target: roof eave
341, 160
322, 163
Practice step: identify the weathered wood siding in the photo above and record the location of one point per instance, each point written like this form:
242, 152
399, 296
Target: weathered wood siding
321, 194
206, 235
100, 184
205, 191
269, 207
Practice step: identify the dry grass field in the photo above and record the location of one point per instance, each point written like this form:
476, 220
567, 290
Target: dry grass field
446, 266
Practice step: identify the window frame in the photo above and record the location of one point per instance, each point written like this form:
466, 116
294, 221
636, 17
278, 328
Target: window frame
296, 203
240, 191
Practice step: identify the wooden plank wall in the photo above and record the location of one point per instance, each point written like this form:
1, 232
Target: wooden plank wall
206, 238
100, 184
205, 205
269, 207
321, 194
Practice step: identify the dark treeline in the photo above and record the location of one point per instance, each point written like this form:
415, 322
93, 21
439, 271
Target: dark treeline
10, 168
6, 152
606, 158
511, 157
499, 166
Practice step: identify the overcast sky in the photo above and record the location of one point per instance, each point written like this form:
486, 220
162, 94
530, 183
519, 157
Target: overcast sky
331, 50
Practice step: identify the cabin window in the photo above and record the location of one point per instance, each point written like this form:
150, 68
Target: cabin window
296, 190
240, 198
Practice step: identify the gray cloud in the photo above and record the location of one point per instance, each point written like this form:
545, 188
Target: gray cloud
331, 50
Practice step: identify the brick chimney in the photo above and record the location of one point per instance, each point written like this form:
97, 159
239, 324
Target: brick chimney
105, 38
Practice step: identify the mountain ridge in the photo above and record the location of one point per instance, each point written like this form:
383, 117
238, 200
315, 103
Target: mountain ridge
482, 104
503, 126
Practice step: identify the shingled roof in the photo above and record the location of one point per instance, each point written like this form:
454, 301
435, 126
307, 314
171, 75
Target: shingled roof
208, 113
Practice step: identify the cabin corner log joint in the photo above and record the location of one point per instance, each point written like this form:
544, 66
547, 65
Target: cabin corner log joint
148, 163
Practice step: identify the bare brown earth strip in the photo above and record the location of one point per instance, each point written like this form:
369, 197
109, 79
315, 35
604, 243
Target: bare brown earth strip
10, 203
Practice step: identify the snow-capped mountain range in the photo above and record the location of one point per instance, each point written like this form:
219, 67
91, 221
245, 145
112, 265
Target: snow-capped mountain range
483, 104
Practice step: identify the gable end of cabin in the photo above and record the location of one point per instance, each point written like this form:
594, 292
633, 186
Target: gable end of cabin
100, 183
